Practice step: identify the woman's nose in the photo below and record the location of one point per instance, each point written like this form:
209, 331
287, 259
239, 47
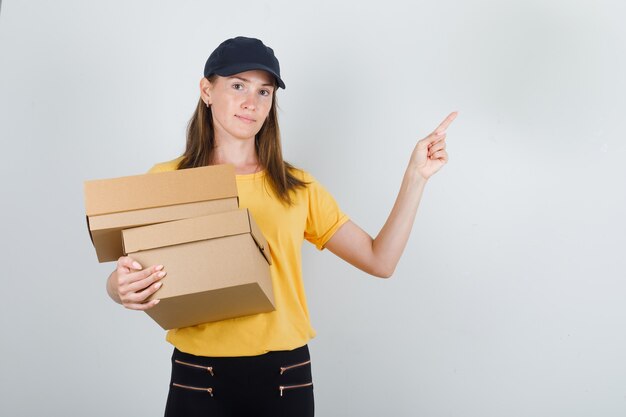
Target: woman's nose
250, 102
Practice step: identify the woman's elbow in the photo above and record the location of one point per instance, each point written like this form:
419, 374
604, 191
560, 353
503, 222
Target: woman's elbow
382, 272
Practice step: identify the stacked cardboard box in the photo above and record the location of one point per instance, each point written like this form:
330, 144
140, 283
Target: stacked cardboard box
216, 258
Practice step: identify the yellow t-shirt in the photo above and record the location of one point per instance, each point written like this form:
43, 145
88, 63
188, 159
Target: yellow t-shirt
314, 216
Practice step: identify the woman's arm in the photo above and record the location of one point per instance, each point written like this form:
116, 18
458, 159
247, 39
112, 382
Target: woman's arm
380, 256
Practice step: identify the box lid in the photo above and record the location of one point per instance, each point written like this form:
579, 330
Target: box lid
159, 189
229, 223
105, 230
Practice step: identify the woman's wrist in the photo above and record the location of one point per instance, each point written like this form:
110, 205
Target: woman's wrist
112, 291
414, 177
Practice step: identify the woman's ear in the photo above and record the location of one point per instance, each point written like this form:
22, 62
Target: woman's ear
205, 91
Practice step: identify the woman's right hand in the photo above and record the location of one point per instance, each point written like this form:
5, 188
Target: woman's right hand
132, 285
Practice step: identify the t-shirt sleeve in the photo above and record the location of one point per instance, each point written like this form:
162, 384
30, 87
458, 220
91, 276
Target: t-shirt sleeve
157, 168
324, 216
165, 166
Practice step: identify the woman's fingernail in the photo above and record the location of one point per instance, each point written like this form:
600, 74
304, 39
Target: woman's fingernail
136, 265
156, 302
161, 274
158, 268
158, 285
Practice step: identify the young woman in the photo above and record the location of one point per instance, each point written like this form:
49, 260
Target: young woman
259, 365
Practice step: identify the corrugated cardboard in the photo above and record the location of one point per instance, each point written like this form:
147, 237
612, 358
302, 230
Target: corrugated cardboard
121, 203
217, 267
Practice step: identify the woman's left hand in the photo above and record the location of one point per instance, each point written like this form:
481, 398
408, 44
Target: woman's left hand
430, 153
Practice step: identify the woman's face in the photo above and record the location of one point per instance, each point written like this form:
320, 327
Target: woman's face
240, 103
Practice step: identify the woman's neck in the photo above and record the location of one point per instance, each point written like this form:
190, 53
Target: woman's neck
239, 152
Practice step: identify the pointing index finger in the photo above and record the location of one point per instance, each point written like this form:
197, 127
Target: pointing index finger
444, 125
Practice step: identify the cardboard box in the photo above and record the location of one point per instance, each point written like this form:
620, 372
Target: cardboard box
217, 267
120, 203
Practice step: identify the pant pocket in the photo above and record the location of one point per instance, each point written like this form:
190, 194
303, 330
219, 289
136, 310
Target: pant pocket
288, 368
284, 388
208, 369
295, 377
189, 387
190, 376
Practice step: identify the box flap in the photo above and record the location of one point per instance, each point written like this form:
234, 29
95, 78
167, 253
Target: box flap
259, 239
105, 230
159, 189
194, 229
145, 217
89, 228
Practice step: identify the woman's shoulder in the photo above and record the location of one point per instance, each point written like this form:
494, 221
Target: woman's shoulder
301, 174
166, 166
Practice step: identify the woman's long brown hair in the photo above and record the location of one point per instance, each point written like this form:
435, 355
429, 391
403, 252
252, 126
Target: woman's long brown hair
201, 143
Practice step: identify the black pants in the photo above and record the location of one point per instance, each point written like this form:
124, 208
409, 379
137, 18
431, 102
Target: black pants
275, 384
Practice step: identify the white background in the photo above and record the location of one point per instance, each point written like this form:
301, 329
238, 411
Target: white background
510, 297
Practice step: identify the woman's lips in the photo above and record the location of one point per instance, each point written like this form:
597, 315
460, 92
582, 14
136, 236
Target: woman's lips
245, 119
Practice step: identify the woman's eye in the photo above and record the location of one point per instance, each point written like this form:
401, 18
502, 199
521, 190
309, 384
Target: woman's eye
265, 93
237, 85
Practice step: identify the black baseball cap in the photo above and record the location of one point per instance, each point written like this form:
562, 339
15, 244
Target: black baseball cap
241, 54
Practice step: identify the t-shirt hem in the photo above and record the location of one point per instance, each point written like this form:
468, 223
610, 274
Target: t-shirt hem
321, 245
237, 353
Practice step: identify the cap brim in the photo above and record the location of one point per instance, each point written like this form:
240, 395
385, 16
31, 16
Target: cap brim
235, 69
